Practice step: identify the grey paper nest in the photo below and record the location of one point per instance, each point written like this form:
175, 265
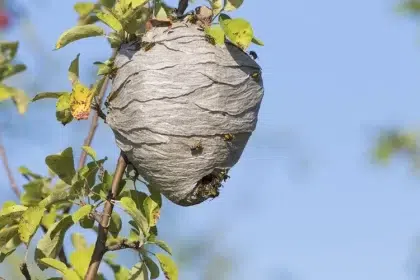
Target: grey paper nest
176, 107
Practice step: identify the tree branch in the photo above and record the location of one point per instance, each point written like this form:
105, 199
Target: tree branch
24, 269
123, 244
9, 173
182, 6
96, 116
100, 246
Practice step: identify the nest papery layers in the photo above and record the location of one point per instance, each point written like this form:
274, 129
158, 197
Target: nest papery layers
182, 91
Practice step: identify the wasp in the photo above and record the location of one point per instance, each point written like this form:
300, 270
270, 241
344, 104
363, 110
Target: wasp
256, 76
210, 39
228, 137
253, 54
148, 46
223, 175
197, 147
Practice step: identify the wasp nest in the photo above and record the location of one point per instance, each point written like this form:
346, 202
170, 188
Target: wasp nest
183, 109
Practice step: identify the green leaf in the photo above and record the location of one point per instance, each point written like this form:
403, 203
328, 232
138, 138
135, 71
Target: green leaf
29, 223
152, 211
74, 70
60, 195
89, 19
120, 8
138, 197
10, 247
111, 21
162, 244
129, 206
257, 42
168, 266
49, 218
44, 95
6, 234
9, 50
63, 112
21, 100
139, 272
161, 13
115, 225
120, 272
114, 39
18, 97
72, 275
86, 178
84, 8
90, 151
51, 243
86, 222
136, 3
33, 193
77, 33
80, 260
103, 68
216, 5
232, 5
238, 30
9, 70
152, 266
53, 263
10, 214
81, 212
8, 203
62, 165
78, 241
217, 33
133, 236
26, 172
108, 3
5, 93
101, 190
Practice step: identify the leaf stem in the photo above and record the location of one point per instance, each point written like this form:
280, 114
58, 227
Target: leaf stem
9, 173
123, 244
100, 246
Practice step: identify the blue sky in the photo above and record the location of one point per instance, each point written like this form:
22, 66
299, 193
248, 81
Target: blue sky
304, 199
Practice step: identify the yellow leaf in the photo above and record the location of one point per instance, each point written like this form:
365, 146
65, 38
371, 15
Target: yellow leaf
81, 100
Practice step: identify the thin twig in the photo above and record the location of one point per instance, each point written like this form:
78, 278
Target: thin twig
95, 119
91, 133
124, 244
24, 269
94, 123
100, 246
9, 173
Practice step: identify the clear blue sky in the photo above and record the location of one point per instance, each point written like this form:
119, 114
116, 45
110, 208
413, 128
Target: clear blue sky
304, 198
